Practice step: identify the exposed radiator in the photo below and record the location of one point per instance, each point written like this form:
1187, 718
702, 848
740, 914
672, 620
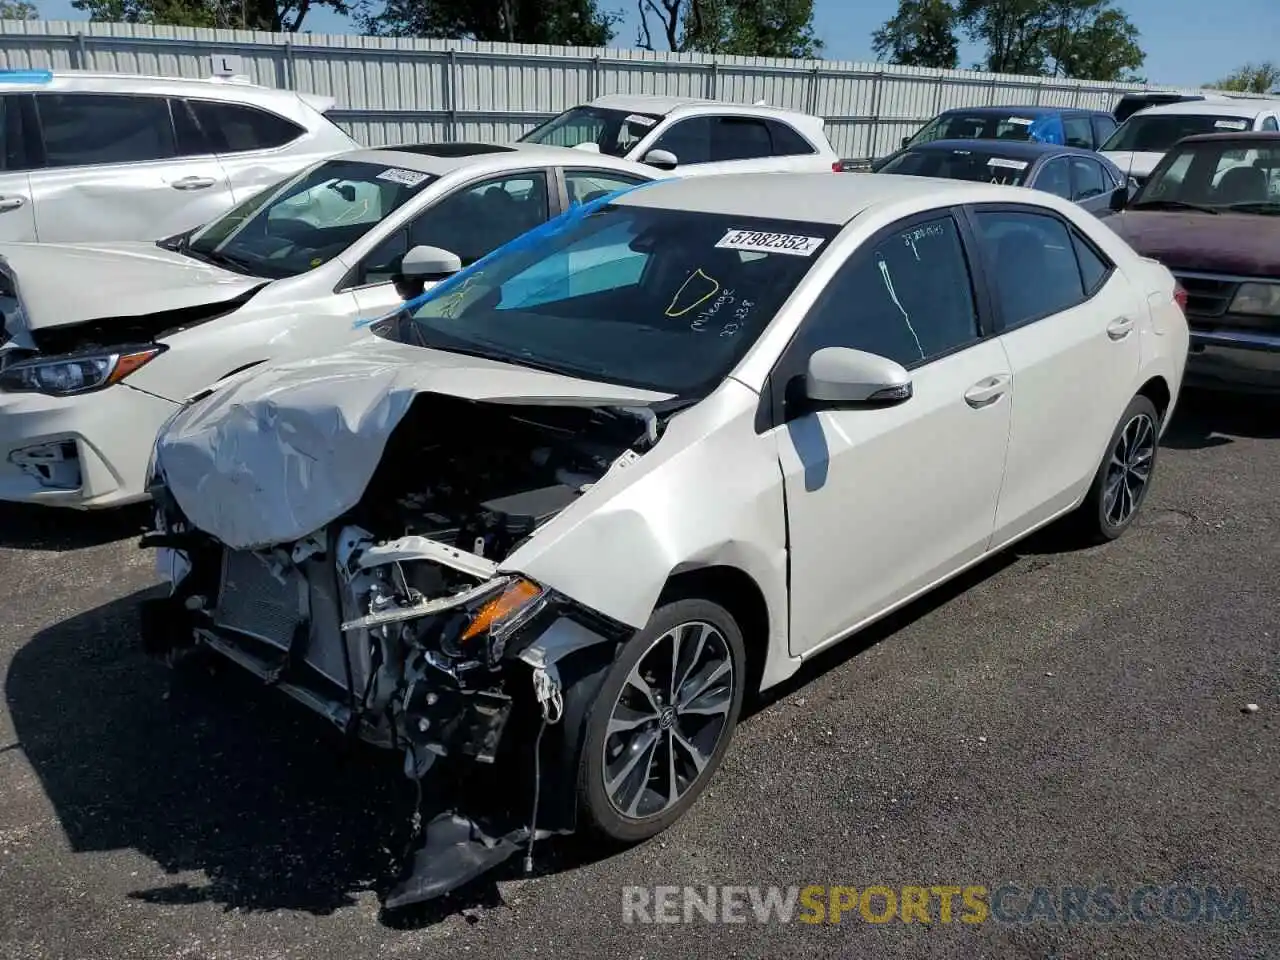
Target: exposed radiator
254, 601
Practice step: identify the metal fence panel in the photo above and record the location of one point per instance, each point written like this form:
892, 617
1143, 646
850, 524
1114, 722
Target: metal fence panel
404, 90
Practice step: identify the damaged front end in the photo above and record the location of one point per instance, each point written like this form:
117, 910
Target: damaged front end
396, 622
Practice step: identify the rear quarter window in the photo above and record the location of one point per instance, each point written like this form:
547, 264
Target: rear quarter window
787, 142
236, 128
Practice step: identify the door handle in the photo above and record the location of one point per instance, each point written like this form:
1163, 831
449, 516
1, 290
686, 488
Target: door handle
10, 203
1119, 328
987, 391
193, 183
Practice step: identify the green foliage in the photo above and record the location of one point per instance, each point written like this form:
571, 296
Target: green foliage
1087, 39
762, 28
575, 23
1251, 78
921, 34
18, 10
277, 16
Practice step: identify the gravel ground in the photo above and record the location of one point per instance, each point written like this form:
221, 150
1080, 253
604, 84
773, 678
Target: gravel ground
1056, 718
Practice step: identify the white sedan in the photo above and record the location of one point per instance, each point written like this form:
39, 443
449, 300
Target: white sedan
102, 342
647, 462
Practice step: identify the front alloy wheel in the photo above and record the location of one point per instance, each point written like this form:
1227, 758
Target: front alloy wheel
662, 720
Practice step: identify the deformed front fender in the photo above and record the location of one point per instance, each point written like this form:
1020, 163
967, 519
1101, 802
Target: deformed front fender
709, 494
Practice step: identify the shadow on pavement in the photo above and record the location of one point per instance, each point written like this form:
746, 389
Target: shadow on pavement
26, 527
1209, 419
204, 770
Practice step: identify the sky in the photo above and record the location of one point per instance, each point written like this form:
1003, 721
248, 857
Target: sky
1188, 42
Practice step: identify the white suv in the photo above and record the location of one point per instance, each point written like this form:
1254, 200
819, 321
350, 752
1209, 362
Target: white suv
697, 136
90, 156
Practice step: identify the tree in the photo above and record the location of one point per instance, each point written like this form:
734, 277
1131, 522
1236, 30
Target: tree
1251, 78
574, 23
1086, 39
921, 34
276, 16
760, 28
1092, 40
18, 10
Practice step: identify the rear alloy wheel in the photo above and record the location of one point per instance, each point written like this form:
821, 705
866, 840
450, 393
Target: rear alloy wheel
1124, 476
662, 720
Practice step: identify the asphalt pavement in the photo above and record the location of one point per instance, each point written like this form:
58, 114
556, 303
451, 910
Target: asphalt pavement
1057, 718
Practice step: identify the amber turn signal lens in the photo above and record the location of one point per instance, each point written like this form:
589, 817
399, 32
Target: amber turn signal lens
515, 597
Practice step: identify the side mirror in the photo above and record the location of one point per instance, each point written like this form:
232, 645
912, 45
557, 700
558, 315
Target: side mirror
842, 377
662, 159
1119, 198
905, 141
429, 263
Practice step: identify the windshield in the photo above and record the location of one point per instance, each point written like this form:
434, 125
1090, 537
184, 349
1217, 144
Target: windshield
615, 132
977, 126
1239, 175
306, 221
978, 165
663, 300
1156, 133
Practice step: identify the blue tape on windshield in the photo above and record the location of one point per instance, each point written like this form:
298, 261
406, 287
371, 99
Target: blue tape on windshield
1047, 129
26, 76
553, 226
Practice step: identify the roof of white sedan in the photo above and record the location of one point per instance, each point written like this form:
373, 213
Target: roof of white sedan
833, 198
1245, 109
439, 159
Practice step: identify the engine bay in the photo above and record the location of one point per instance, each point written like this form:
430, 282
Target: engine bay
394, 621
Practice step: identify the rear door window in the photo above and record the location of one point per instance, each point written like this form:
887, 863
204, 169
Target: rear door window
1087, 178
236, 128
82, 129
1033, 263
583, 186
740, 138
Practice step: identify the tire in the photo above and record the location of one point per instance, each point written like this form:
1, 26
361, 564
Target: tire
630, 805
1133, 447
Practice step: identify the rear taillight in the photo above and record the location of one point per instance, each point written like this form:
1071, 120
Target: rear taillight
837, 166
1180, 297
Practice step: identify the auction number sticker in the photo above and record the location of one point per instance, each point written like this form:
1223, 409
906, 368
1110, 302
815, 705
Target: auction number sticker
408, 178
1021, 121
1007, 164
640, 120
796, 246
1230, 124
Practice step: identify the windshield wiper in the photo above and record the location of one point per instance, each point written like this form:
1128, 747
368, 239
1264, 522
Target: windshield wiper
237, 264
1264, 207
1170, 205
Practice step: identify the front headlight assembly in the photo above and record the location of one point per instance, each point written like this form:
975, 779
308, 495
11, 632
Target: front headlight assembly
76, 373
1257, 299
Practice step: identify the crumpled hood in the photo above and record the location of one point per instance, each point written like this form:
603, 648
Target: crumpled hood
1133, 164
1243, 244
275, 454
61, 284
